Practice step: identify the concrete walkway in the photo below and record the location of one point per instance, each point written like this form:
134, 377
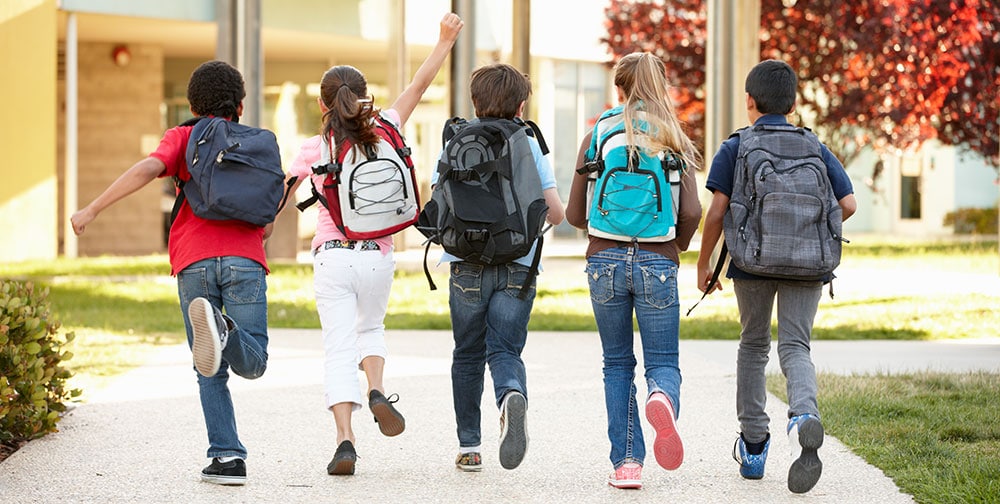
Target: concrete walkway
142, 438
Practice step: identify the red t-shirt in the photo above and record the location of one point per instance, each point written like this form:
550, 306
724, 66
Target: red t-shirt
193, 238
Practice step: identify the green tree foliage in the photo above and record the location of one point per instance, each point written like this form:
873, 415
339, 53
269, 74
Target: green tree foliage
32, 379
889, 74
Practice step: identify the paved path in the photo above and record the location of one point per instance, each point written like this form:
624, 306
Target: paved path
141, 438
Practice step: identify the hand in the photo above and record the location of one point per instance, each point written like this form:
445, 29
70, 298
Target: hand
80, 219
451, 24
705, 278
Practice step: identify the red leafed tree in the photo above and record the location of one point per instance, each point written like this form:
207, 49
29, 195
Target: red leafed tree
674, 31
881, 73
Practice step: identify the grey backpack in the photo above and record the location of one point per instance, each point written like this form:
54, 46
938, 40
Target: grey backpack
487, 206
783, 220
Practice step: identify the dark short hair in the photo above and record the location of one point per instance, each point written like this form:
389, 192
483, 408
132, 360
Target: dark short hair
772, 85
216, 89
497, 90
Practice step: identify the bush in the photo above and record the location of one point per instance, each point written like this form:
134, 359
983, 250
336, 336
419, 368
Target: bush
980, 221
32, 379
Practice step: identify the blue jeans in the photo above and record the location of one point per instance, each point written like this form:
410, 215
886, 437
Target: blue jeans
490, 325
797, 305
622, 280
238, 286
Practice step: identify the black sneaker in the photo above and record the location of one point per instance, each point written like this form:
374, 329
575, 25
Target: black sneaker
513, 429
343, 460
233, 472
389, 420
210, 332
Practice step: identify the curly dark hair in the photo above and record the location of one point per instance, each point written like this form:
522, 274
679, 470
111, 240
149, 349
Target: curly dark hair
216, 89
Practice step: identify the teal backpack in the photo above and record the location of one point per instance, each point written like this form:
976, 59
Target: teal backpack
633, 195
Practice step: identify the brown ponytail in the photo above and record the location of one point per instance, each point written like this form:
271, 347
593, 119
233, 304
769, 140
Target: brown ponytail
344, 91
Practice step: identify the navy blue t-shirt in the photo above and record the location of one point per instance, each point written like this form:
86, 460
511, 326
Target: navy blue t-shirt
721, 175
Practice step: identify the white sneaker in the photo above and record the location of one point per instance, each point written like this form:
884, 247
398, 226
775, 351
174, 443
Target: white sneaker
210, 336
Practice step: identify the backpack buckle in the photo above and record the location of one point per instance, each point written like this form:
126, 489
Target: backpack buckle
591, 167
476, 234
323, 169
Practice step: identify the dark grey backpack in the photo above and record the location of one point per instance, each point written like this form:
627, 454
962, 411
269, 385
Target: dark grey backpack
783, 220
487, 206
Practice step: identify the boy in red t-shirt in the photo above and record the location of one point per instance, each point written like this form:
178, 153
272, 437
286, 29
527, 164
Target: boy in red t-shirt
219, 265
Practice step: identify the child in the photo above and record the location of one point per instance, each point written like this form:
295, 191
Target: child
640, 276
489, 317
771, 91
352, 277
219, 264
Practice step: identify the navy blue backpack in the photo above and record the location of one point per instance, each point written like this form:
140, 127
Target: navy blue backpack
235, 172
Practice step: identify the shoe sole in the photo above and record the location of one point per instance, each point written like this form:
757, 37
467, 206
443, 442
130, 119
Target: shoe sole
342, 467
514, 438
806, 470
667, 448
390, 421
205, 347
466, 468
626, 484
224, 480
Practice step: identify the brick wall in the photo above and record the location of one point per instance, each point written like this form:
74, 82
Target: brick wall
117, 106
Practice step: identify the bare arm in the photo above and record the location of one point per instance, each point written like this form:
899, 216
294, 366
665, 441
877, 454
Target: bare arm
709, 238
556, 213
576, 209
451, 24
132, 180
848, 205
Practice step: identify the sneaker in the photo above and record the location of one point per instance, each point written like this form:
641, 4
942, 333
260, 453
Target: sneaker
390, 421
751, 465
629, 475
210, 334
513, 429
343, 460
233, 472
469, 462
805, 436
668, 448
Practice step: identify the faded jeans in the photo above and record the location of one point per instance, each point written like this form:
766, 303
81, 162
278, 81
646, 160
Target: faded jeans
490, 325
623, 280
238, 286
797, 305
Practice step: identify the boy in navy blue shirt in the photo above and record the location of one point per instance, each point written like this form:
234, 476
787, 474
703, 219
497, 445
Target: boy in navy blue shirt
771, 91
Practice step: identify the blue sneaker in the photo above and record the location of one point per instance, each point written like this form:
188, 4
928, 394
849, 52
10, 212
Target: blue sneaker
805, 436
751, 466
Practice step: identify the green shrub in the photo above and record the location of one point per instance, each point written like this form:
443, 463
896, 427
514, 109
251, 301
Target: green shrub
32, 379
973, 220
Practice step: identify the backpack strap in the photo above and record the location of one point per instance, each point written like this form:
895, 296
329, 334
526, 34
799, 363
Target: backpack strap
178, 183
534, 131
715, 276
451, 126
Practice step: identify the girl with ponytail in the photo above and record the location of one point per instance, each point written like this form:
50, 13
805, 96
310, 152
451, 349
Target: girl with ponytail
352, 277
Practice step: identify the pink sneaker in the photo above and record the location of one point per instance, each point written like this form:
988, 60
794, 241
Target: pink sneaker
629, 475
668, 448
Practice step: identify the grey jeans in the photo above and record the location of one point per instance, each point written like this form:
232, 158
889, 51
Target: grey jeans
797, 304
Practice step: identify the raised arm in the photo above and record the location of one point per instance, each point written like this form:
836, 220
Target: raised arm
451, 24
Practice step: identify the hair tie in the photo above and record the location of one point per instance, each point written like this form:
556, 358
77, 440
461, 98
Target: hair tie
344, 85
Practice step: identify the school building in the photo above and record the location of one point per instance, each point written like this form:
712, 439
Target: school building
90, 85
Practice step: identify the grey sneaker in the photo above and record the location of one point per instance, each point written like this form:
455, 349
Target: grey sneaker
513, 429
233, 472
805, 436
210, 335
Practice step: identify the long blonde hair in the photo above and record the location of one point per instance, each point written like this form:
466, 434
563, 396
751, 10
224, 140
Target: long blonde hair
642, 78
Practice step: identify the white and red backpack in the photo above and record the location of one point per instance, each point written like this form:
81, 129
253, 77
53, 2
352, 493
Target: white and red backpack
369, 192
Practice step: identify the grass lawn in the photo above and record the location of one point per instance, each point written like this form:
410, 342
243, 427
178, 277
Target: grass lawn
936, 435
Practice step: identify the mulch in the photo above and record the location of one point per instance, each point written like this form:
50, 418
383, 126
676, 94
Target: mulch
7, 449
